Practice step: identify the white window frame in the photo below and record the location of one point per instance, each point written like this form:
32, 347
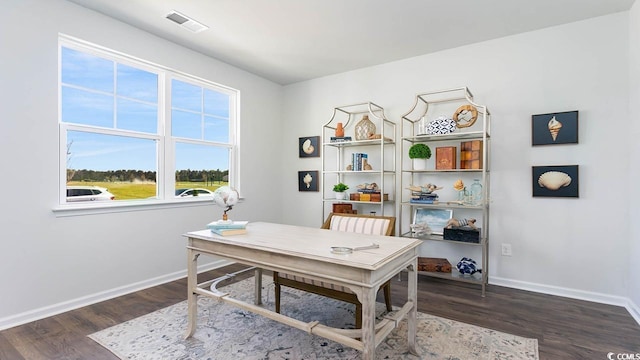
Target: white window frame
165, 176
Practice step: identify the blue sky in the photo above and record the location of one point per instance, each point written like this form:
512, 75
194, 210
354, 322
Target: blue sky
101, 93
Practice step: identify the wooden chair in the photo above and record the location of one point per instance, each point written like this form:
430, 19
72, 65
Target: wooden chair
365, 224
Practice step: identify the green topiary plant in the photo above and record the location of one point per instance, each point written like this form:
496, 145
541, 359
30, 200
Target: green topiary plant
340, 187
419, 151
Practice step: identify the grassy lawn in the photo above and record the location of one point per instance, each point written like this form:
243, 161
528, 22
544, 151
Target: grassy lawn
128, 191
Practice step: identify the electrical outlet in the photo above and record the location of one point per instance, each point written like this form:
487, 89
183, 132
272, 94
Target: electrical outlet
506, 250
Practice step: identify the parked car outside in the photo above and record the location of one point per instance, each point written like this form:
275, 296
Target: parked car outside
193, 192
88, 193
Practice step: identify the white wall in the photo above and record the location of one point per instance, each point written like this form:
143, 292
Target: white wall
634, 170
574, 247
51, 263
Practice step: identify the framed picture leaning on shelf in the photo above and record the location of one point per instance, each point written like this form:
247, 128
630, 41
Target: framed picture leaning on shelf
436, 218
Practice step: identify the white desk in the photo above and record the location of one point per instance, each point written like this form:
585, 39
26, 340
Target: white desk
306, 252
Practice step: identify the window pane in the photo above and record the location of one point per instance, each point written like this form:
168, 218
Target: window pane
126, 166
137, 84
216, 103
137, 116
83, 107
86, 70
117, 128
216, 129
201, 166
211, 124
185, 124
186, 96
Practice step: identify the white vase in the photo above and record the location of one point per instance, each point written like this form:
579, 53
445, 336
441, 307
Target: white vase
341, 195
419, 164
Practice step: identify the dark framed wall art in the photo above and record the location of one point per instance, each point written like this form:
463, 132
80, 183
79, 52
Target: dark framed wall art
554, 128
308, 180
555, 181
309, 146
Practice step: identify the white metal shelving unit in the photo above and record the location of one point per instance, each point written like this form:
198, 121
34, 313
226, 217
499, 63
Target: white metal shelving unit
429, 106
336, 156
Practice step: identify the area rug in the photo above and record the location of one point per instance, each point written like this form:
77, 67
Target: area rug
225, 332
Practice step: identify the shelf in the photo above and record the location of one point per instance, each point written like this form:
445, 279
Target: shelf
476, 278
444, 205
459, 135
356, 202
445, 171
388, 172
359, 143
439, 238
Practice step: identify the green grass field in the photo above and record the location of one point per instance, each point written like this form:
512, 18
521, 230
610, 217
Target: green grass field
129, 191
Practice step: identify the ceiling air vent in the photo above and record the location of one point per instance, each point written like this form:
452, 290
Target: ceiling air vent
186, 22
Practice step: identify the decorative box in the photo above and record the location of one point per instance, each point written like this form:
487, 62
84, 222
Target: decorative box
441, 125
365, 197
471, 154
354, 196
446, 158
376, 197
434, 264
342, 208
462, 234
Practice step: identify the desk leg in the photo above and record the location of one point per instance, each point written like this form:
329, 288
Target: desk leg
192, 297
368, 324
258, 290
412, 289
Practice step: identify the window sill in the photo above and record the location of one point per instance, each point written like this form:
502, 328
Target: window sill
108, 207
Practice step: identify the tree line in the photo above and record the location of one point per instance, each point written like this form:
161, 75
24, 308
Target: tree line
144, 176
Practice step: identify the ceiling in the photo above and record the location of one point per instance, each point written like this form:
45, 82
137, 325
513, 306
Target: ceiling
287, 41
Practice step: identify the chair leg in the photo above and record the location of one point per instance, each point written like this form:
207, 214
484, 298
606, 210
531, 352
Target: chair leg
358, 316
386, 288
277, 291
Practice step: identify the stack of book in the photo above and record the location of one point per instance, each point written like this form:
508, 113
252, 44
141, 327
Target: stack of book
358, 160
226, 228
337, 139
423, 198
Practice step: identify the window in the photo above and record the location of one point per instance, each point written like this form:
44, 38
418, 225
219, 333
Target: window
140, 130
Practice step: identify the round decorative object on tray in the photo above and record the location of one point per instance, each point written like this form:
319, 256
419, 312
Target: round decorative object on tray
465, 116
441, 125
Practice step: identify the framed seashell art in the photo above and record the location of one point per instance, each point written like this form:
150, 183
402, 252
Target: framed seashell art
555, 181
554, 128
308, 180
309, 146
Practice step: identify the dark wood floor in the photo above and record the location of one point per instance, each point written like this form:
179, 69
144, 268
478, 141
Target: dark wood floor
565, 328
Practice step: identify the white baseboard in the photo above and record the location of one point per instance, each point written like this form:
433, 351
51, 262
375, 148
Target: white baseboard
634, 310
570, 293
44, 312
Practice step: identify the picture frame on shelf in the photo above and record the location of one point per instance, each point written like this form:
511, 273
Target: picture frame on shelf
308, 180
436, 219
309, 146
554, 128
555, 181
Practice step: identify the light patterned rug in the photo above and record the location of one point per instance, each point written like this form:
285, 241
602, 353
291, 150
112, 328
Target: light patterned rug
225, 332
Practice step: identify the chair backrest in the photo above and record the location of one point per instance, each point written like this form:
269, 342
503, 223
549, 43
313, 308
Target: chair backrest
363, 224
